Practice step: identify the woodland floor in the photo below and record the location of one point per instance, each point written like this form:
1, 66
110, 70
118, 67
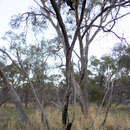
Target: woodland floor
118, 118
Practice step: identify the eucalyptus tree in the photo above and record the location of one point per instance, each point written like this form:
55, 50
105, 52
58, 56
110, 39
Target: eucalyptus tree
8, 81
8, 93
28, 67
102, 69
76, 23
121, 54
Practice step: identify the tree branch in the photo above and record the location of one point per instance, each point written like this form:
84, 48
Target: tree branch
61, 23
103, 11
78, 26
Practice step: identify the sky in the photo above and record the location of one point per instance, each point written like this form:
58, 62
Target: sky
9, 8
102, 44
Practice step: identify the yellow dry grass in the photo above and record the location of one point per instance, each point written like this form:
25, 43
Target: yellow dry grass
116, 120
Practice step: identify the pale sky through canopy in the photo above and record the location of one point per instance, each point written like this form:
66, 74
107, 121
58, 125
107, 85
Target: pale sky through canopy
101, 45
9, 8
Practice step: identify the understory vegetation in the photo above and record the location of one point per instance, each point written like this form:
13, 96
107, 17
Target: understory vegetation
118, 118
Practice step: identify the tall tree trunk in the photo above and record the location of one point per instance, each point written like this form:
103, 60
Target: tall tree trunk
84, 80
83, 83
26, 98
67, 125
82, 95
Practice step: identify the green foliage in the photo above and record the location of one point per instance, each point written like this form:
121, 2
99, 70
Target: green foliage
95, 94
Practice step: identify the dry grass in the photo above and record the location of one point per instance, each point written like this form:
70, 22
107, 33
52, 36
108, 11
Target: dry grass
118, 119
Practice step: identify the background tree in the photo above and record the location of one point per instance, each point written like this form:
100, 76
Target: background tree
122, 57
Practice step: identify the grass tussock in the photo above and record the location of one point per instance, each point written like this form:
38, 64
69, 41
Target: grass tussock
118, 119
